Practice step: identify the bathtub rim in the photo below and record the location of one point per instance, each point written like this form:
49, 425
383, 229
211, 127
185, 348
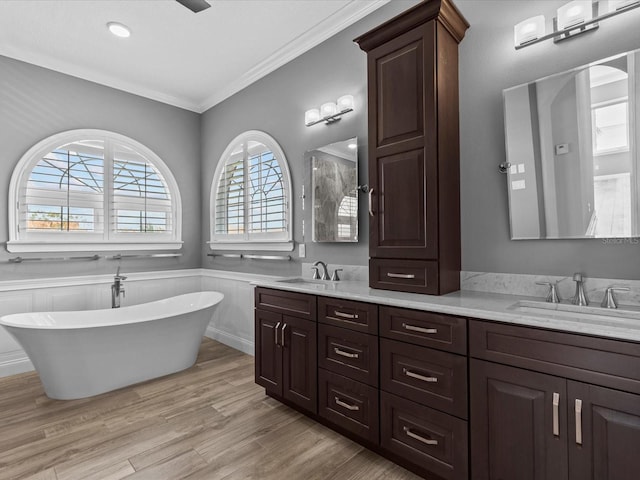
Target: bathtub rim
216, 298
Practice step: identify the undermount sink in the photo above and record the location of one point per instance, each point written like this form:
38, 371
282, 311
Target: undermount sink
621, 316
306, 282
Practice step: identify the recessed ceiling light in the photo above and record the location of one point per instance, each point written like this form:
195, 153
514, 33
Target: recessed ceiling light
118, 29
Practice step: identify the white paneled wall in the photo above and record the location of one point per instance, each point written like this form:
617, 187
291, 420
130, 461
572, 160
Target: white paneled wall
232, 323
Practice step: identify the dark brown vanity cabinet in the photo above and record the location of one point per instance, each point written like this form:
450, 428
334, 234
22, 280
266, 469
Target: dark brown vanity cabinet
286, 346
552, 408
412, 70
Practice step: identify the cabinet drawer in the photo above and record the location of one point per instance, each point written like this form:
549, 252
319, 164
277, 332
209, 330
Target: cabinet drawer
351, 405
443, 332
416, 276
609, 363
362, 317
430, 377
289, 303
348, 353
425, 437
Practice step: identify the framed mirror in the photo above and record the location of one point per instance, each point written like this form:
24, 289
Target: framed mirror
572, 145
334, 191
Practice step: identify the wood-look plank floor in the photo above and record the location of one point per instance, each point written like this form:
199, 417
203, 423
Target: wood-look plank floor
209, 422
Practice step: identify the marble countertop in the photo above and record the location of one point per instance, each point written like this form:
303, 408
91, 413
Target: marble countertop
622, 324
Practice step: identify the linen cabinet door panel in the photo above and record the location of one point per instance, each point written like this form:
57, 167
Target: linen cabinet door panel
268, 361
604, 433
404, 220
402, 71
516, 431
299, 362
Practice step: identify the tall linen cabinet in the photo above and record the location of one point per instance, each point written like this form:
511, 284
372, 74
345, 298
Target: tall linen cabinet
414, 165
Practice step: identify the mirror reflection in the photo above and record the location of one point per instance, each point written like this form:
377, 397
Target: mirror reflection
572, 142
334, 199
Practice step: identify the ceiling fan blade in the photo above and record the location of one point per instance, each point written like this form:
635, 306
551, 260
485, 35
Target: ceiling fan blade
195, 5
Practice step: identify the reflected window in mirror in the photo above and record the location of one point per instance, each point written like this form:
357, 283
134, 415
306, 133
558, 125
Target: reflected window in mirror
572, 142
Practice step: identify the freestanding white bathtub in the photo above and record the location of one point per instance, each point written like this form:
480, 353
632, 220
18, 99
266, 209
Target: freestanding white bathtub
85, 353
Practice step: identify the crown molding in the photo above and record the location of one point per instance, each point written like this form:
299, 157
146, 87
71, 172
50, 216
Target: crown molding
338, 21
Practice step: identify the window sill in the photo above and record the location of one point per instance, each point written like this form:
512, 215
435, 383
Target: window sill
52, 247
251, 246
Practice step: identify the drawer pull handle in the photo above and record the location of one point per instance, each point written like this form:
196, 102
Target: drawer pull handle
411, 374
556, 408
371, 214
275, 337
408, 276
342, 353
283, 329
353, 408
413, 328
426, 441
578, 421
350, 316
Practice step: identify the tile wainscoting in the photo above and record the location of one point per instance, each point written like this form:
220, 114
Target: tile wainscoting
232, 322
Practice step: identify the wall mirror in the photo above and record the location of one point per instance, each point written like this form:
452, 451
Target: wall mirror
572, 144
334, 191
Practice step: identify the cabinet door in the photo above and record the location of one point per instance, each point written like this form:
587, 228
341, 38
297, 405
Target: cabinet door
403, 146
300, 363
268, 359
604, 434
516, 432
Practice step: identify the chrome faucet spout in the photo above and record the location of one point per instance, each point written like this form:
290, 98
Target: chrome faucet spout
580, 298
117, 289
325, 271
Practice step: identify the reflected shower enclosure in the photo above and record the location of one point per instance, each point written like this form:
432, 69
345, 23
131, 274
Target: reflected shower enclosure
334, 183
572, 142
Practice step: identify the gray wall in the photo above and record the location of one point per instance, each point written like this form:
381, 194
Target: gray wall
276, 105
36, 103
488, 64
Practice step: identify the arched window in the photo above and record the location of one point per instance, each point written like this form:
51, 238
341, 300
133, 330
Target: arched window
91, 190
251, 196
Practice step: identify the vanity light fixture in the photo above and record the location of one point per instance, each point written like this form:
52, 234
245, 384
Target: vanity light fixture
573, 18
329, 112
119, 30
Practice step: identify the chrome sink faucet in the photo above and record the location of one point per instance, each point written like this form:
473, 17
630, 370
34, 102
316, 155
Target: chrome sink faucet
325, 271
552, 296
580, 298
117, 289
609, 300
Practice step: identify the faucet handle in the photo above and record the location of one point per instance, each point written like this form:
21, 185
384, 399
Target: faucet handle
552, 296
609, 300
316, 275
335, 277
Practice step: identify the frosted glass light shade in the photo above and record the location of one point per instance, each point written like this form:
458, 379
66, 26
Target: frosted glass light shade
345, 102
328, 109
574, 13
311, 116
615, 5
529, 30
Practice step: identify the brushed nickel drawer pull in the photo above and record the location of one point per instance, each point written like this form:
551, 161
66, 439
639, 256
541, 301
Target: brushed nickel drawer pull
275, 337
342, 353
283, 329
413, 328
353, 408
345, 315
556, 408
401, 275
411, 374
578, 421
426, 441
371, 202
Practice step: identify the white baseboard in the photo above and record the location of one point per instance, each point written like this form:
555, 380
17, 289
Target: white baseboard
239, 343
12, 363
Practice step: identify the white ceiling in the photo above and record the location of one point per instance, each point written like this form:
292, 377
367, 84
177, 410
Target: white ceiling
175, 56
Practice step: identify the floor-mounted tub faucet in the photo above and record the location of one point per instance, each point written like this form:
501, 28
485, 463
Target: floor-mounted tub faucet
117, 289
